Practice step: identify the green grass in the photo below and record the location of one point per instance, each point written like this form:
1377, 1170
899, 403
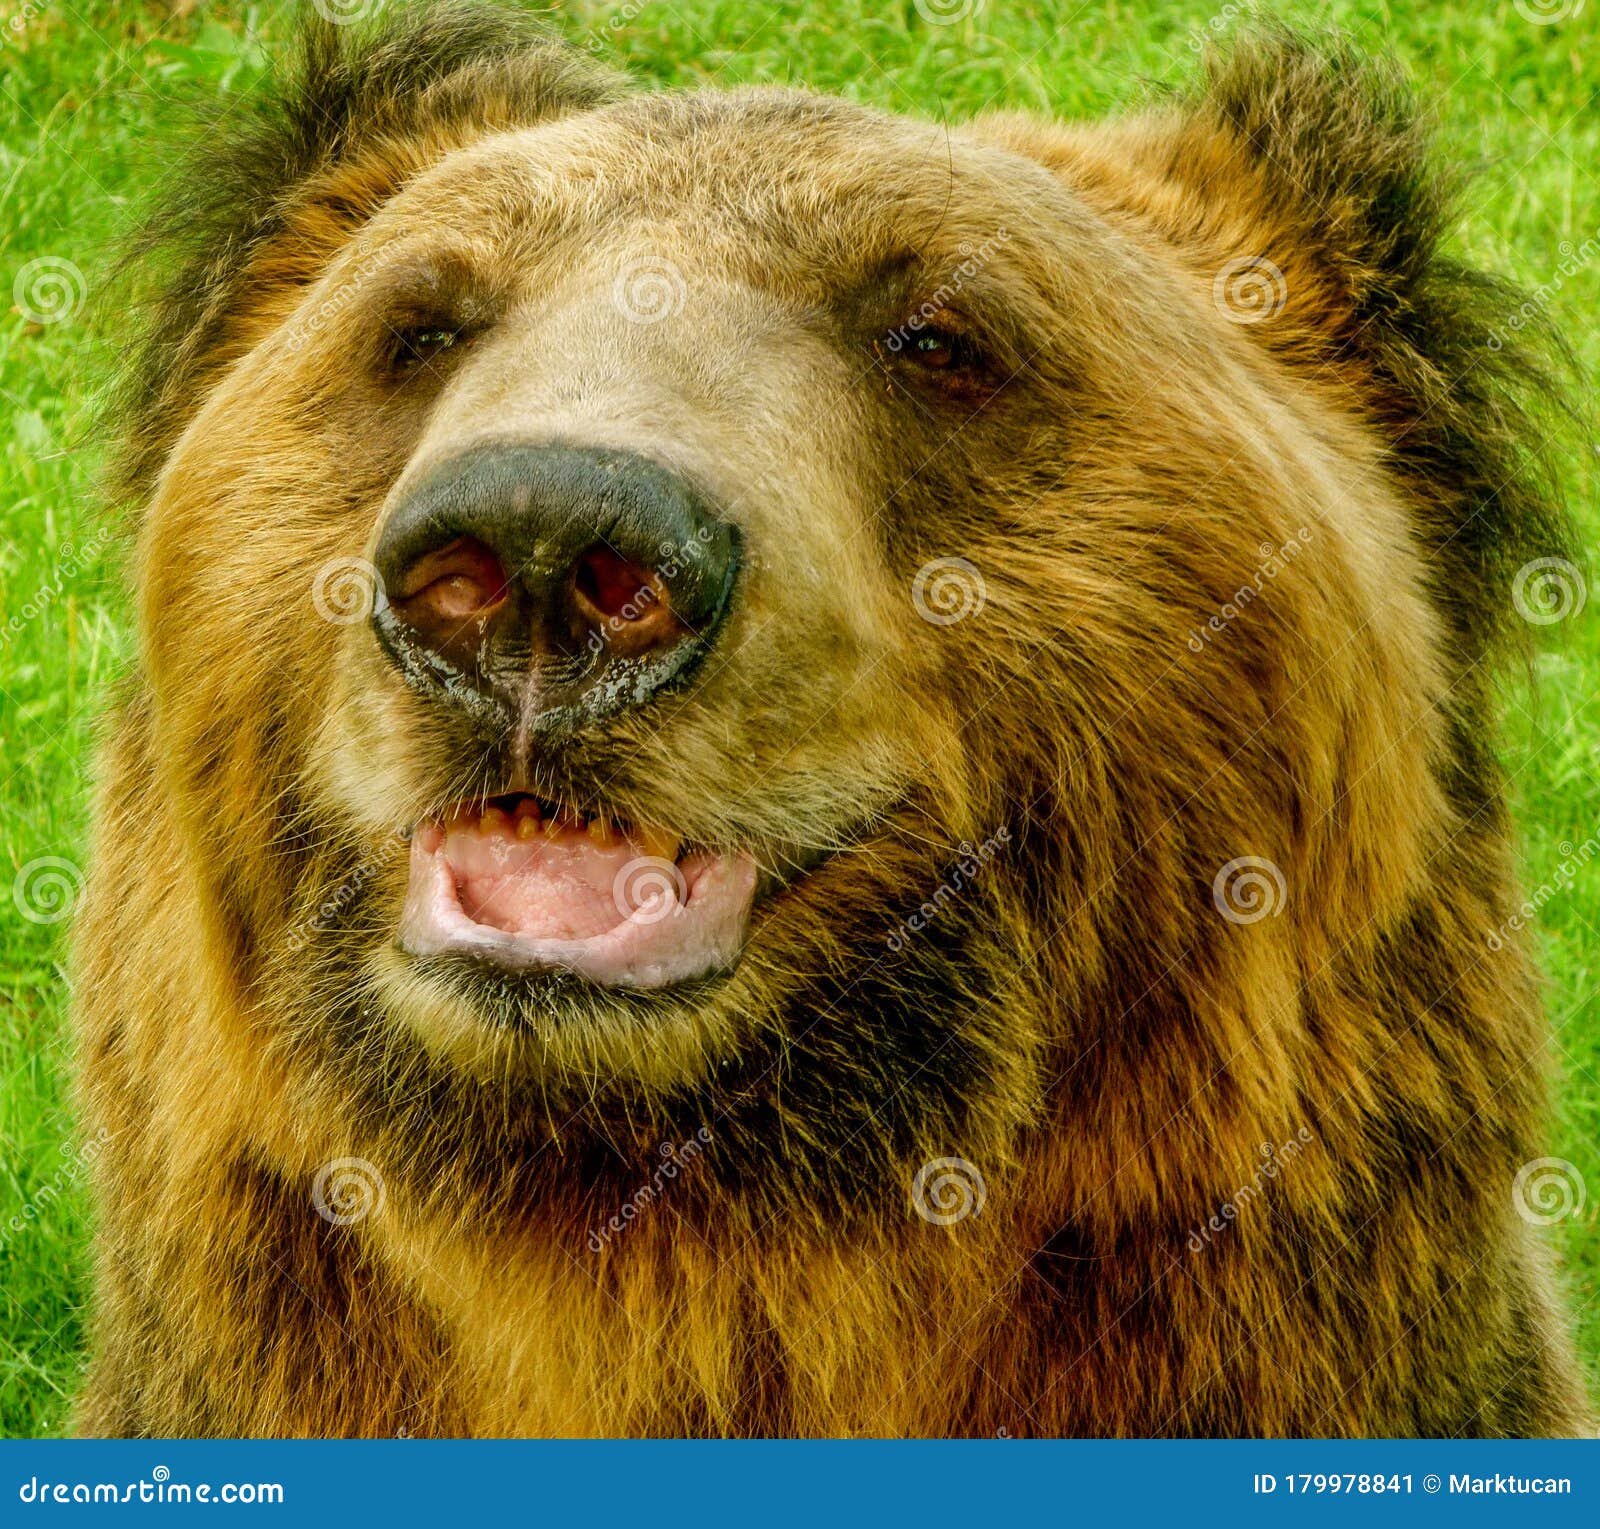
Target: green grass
86, 94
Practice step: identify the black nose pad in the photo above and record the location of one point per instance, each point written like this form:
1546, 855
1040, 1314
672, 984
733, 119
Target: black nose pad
558, 583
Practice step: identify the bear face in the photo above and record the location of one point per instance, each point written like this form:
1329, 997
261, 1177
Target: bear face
922, 371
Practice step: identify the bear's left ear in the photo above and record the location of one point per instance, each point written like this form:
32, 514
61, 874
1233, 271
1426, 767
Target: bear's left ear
271, 191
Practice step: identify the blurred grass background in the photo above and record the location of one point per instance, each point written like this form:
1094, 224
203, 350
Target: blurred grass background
89, 93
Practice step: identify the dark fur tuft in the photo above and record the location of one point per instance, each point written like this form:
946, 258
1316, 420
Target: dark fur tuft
1351, 169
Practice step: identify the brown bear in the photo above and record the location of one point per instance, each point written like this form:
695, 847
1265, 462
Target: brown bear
792, 772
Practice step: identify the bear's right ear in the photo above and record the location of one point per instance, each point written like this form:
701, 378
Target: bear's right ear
272, 190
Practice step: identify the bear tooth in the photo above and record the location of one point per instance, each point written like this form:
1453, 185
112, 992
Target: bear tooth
659, 844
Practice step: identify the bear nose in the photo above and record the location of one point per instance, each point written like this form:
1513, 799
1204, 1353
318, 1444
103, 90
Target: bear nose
577, 579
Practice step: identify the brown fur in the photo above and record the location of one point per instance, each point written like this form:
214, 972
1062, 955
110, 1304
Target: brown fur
1080, 1023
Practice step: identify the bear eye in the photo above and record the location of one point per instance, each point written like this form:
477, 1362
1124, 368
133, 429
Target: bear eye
419, 343
943, 350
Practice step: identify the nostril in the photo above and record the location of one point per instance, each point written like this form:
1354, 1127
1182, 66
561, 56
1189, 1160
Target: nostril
460, 581
614, 589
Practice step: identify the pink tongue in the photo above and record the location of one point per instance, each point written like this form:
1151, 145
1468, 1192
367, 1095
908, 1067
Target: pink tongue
566, 888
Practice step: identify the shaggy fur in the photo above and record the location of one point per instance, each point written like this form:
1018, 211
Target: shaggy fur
1068, 1011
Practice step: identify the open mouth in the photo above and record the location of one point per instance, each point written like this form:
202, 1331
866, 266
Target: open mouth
530, 885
